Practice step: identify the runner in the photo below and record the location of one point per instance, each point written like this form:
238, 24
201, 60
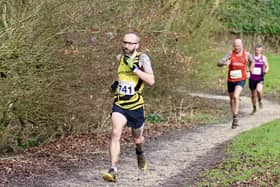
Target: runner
237, 61
257, 78
134, 69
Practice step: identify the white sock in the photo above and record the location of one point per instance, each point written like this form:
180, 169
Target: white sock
114, 168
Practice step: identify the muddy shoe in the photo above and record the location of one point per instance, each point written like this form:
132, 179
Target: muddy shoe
254, 110
111, 175
142, 164
235, 123
260, 105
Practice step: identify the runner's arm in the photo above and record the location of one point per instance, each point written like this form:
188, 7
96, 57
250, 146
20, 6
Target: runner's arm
114, 85
146, 74
251, 61
224, 61
266, 64
118, 57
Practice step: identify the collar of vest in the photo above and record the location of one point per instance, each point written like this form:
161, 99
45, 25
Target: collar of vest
242, 53
134, 56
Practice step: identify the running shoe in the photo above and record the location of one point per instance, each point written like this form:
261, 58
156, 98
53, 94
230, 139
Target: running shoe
254, 110
235, 122
260, 105
141, 161
111, 175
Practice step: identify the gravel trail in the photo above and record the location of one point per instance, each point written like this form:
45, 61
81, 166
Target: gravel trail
172, 159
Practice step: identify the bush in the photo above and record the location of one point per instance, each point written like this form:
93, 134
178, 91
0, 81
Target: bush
252, 16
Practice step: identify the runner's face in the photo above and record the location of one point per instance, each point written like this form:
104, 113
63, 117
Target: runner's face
129, 44
258, 51
237, 47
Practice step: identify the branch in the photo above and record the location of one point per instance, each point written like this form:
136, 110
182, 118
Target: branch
4, 16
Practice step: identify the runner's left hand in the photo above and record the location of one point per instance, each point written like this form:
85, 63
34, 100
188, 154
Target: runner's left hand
130, 63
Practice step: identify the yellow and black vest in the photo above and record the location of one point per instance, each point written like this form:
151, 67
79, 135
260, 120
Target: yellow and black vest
130, 88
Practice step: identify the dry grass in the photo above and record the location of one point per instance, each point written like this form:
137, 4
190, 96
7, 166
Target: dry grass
58, 60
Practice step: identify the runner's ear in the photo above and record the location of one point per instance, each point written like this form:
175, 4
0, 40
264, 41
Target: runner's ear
137, 46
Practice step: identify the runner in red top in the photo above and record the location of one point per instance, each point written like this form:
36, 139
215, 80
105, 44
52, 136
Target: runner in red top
237, 66
239, 61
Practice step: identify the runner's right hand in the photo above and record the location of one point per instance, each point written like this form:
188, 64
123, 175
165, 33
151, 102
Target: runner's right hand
114, 87
222, 63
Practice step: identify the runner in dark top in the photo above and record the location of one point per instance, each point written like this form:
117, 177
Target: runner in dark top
257, 78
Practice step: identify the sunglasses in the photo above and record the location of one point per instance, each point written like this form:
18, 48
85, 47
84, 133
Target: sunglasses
129, 43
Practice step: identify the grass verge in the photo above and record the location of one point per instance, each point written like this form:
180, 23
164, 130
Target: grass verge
272, 79
253, 160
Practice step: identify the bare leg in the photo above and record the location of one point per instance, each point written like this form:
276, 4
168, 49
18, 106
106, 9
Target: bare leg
237, 92
118, 122
139, 142
138, 135
260, 93
254, 100
234, 104
234, 100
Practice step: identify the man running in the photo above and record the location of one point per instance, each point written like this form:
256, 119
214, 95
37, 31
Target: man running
257, 78
134, 70
238, 61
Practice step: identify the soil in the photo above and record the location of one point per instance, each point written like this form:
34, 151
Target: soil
174, 159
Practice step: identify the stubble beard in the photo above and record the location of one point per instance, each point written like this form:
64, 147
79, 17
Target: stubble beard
128, 52
238, 51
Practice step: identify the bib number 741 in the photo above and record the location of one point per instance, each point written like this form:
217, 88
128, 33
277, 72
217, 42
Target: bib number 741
126, 88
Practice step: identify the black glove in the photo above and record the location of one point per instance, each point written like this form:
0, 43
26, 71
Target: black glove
114, 86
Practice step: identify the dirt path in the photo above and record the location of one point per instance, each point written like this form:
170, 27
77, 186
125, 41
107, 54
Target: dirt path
173, 160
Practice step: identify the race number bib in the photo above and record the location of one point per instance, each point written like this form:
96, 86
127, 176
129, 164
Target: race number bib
235, 74
256, 71
126, 88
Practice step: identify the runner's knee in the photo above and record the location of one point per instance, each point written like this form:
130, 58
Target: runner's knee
236, 97
116, 134
137, 133
139, 140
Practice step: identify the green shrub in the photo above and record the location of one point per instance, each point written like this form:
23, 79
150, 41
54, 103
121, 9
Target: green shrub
251, 16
